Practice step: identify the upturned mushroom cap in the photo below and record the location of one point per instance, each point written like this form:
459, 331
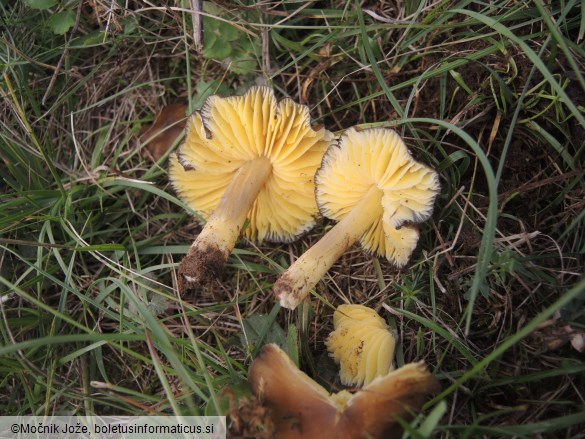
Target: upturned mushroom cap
378, 158
371, 185
300, 408
246, 157
361, 344
229, 132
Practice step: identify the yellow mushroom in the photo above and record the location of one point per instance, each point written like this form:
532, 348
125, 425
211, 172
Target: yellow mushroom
246, 157
370, 183
301, 408
361, 344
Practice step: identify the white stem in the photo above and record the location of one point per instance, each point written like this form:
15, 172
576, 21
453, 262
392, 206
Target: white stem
217, 239
301, 277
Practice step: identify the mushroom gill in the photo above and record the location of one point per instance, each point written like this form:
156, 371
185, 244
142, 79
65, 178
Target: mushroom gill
361, 344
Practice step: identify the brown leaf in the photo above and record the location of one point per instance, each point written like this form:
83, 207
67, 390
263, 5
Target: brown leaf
554, 337
168, 124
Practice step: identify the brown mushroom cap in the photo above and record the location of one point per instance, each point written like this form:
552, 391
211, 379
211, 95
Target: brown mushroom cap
301, 408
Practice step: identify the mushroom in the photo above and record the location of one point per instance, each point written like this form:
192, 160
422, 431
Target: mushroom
246, 157
361, 344
370, 183
301, 408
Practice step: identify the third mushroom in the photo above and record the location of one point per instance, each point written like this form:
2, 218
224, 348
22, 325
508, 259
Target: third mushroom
300, 408
370, 183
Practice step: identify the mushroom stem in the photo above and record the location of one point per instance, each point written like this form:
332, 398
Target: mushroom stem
301, 277
216, 241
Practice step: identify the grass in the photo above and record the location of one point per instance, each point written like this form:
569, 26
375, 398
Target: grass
91, 233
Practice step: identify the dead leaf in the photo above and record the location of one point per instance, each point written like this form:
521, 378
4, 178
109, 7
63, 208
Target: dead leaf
168, 124
578, 342
555, 337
